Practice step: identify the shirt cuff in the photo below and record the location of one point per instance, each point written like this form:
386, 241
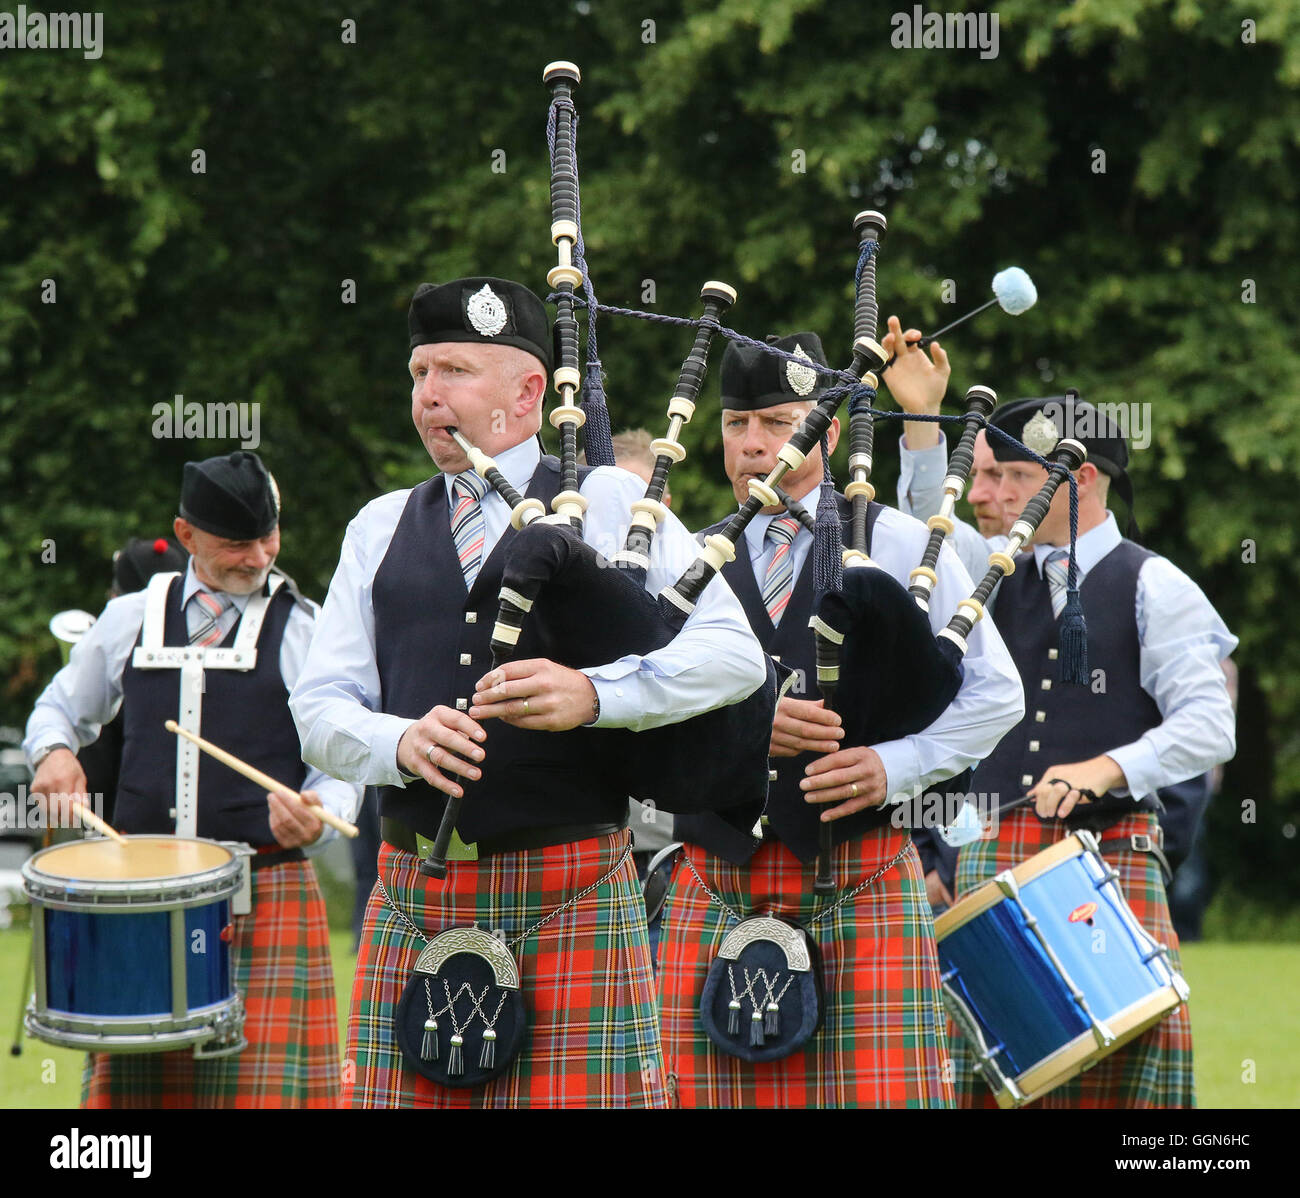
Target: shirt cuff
902, 770
1141, 768
384, 753
617, 696
928, 466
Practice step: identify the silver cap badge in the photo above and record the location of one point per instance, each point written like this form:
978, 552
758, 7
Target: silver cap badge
802, 378
1040, 435
486, 312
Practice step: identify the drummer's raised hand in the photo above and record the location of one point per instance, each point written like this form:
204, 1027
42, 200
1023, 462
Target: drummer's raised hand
917, 381
59, 780
292, 823
442, 743
1058, 798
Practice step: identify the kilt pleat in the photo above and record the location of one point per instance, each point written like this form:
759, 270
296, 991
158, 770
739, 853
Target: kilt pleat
593, 1035
1155, 1069
882, 1042
280, 959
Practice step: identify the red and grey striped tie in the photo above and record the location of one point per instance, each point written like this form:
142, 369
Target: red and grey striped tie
209, 609
467, 528
779, 580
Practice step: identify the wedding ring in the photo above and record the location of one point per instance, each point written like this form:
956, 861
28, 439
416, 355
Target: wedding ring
525, 707
428, 753
853, 789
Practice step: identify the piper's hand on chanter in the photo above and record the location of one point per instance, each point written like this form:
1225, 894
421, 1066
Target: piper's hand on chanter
443, 742
916, 381
536, 694
1058, 798
60, 782
852, 778
292, 824
804, 726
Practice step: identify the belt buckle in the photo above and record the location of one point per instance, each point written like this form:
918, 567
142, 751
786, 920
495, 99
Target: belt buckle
457, 849
1141, 842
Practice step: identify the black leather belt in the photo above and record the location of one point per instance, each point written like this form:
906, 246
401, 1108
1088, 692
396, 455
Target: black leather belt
278, 857
401, 837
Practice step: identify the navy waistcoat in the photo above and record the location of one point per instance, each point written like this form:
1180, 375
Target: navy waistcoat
244, 711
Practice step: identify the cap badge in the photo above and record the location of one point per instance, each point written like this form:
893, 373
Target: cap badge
802, 379
1040, 435
486, 312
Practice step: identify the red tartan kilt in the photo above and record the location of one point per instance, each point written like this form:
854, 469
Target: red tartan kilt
1153, 1071
882, 1042
588, 985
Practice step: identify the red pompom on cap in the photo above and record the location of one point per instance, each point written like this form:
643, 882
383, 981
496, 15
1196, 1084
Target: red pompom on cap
160, 546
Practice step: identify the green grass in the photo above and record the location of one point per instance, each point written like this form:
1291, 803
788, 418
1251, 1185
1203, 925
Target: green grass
1243, 1017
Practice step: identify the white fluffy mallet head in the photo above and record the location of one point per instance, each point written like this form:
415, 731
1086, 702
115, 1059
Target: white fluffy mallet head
1014, 290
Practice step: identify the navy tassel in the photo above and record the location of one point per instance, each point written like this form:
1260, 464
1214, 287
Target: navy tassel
597, 437
1073, 641
429, 1041
733, 1018
756, 1029
456, 1060
772, 1020
828, 536
487, 1057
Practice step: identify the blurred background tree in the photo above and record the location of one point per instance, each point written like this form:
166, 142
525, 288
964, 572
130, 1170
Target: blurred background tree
235, 202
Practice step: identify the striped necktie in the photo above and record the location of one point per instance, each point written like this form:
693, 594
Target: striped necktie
467, 528
206, 610
1056, 568
779, 580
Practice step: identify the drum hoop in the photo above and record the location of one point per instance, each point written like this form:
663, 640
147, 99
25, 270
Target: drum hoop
1074, 1057
135, 1033
140, 895
988, 895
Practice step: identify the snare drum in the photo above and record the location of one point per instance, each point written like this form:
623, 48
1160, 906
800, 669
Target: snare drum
1046, 971
131, 945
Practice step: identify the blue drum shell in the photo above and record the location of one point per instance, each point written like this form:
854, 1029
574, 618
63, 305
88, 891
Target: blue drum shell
119, 963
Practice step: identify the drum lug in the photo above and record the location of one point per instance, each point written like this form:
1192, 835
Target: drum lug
1006, 882
1102, 1034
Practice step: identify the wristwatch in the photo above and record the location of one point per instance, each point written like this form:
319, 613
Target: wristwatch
44, 753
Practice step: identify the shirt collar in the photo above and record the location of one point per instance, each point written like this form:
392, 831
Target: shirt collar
1090, 548
518, 464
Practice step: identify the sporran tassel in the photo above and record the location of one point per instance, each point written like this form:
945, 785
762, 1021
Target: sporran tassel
756, 1029
772, 1020
487, 1057
733, 1018
429, 1041
456, 1061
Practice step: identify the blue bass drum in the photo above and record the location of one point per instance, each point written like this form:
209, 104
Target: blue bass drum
131, 945
1046, 971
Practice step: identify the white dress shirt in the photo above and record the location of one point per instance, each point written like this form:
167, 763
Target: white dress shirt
87, 693
1182, 639
991, 699
337, 702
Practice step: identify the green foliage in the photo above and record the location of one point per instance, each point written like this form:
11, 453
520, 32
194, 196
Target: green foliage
373, 161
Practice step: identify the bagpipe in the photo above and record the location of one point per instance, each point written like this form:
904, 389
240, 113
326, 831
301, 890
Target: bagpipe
879, 664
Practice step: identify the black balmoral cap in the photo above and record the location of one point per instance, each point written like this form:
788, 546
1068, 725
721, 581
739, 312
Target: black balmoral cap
232, 496
482, 311
1040, 423
752, 379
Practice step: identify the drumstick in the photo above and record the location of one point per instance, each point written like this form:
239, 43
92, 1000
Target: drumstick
265, 780
87, 816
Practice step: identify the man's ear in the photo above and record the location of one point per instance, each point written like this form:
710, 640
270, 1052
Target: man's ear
184, 531
833, 433
531, 391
